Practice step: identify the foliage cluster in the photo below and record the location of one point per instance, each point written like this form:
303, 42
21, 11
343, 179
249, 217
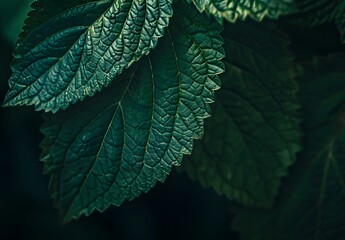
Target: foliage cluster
126, 86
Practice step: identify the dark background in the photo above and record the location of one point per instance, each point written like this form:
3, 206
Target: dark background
177, 209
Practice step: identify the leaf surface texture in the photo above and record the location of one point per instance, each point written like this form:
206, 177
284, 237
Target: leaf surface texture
79, 50
233, 10
119, 143
309, 206
254, 135
315, 12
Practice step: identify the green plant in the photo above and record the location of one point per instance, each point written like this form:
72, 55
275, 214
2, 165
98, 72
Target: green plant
126, 86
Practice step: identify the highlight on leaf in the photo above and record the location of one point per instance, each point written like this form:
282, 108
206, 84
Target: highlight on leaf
118, 144
79, 49
233, 10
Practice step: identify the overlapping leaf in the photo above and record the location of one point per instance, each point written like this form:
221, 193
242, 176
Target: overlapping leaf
340, 20
314, 12
232, 10
119, 143
310, 205
80, 49
311, 12
254, 134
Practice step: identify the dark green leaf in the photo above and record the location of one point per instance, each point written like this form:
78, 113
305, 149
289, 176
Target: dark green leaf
240, 9
119, 143
254, 134
310, 205
340, 20
314, 12
43, 10
78, 51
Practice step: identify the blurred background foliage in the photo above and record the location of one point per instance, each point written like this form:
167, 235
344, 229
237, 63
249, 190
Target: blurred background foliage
177, 209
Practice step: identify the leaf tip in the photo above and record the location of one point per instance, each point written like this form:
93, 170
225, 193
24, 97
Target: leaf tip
8, 102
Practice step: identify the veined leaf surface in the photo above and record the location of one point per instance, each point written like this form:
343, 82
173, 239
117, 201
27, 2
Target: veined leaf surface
119, 143
240, 9
81, 49
310, 204
311, 12
254, 135
315, 12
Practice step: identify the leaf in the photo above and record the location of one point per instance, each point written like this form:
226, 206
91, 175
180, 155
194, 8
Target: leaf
80, 50
340, 20
43, 10
254, 135
119, 143
310, 205
314, 12
233, 10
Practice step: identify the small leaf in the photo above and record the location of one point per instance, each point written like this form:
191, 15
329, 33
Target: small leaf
254, 135
119, 143
241, 9
310, 205
78, 51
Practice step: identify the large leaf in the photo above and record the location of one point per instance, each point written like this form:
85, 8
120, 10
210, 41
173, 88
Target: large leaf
119, 143
80, 49
254, 134
311, 204
232, 10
